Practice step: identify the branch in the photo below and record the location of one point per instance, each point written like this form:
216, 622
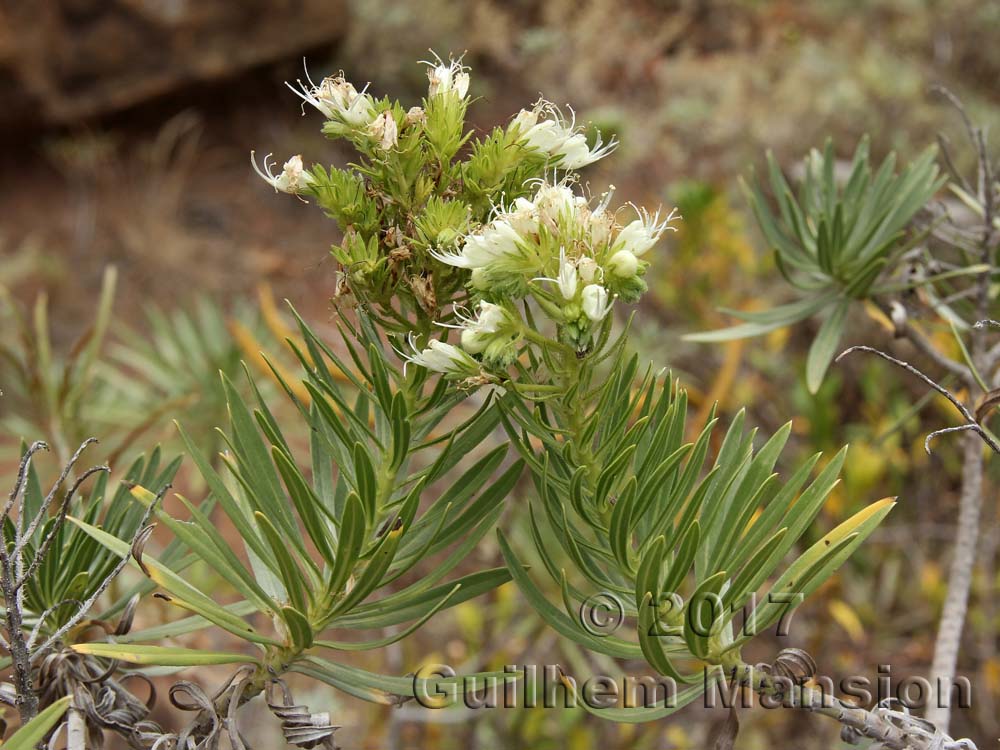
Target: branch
970, 420
786, 680
144, 530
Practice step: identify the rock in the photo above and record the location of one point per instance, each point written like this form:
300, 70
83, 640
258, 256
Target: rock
65, 60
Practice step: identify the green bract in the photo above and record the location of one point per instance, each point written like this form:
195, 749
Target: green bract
832, 241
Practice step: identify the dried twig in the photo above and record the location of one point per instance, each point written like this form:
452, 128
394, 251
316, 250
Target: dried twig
970, 421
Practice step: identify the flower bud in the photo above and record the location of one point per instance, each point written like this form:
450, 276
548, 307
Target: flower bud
623, 264
523, 121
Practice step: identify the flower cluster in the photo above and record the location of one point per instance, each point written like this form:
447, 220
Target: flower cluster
571, 258
478, 234
543, 128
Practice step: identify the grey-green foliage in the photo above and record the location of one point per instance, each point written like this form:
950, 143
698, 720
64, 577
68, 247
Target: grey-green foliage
683, 540
832, 242
77, 565
327, 534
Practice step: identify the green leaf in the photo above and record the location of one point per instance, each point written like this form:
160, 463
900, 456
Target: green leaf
824, 346
353, 529
184, 594
416, 600
307, 504
183, 626
650, 636
298, 627
557, 619
381, 643
204, 539
31, 734
819, 562
164, 656
291, 575
383, 689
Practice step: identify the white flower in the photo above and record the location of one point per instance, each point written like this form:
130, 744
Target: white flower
640, 235
587, 268
576, 154
523, 217
623, 264
567, 276
479, 330
337, 99
547, 136
596, 304
567, 279
446, 359
496, 241
383, 129
545, 129
447, 78
292, 178
555, 202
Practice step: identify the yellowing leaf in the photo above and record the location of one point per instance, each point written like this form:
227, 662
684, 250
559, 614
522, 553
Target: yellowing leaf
848, 619
164, 656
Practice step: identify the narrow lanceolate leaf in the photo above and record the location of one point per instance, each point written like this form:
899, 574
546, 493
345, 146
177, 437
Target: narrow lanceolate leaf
162, 656
291, 575
558, 619
31, 734
310, 508
651, 640
818, 563
299, 628
824, 347
204, 539
352, 539
182, 593
383, 642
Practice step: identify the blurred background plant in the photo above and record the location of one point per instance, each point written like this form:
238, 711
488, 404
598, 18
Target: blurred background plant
694, 89
125, 383
873, 241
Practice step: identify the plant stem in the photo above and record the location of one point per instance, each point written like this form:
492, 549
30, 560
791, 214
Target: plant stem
575, 411
27, 699
949, 634
869, 724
